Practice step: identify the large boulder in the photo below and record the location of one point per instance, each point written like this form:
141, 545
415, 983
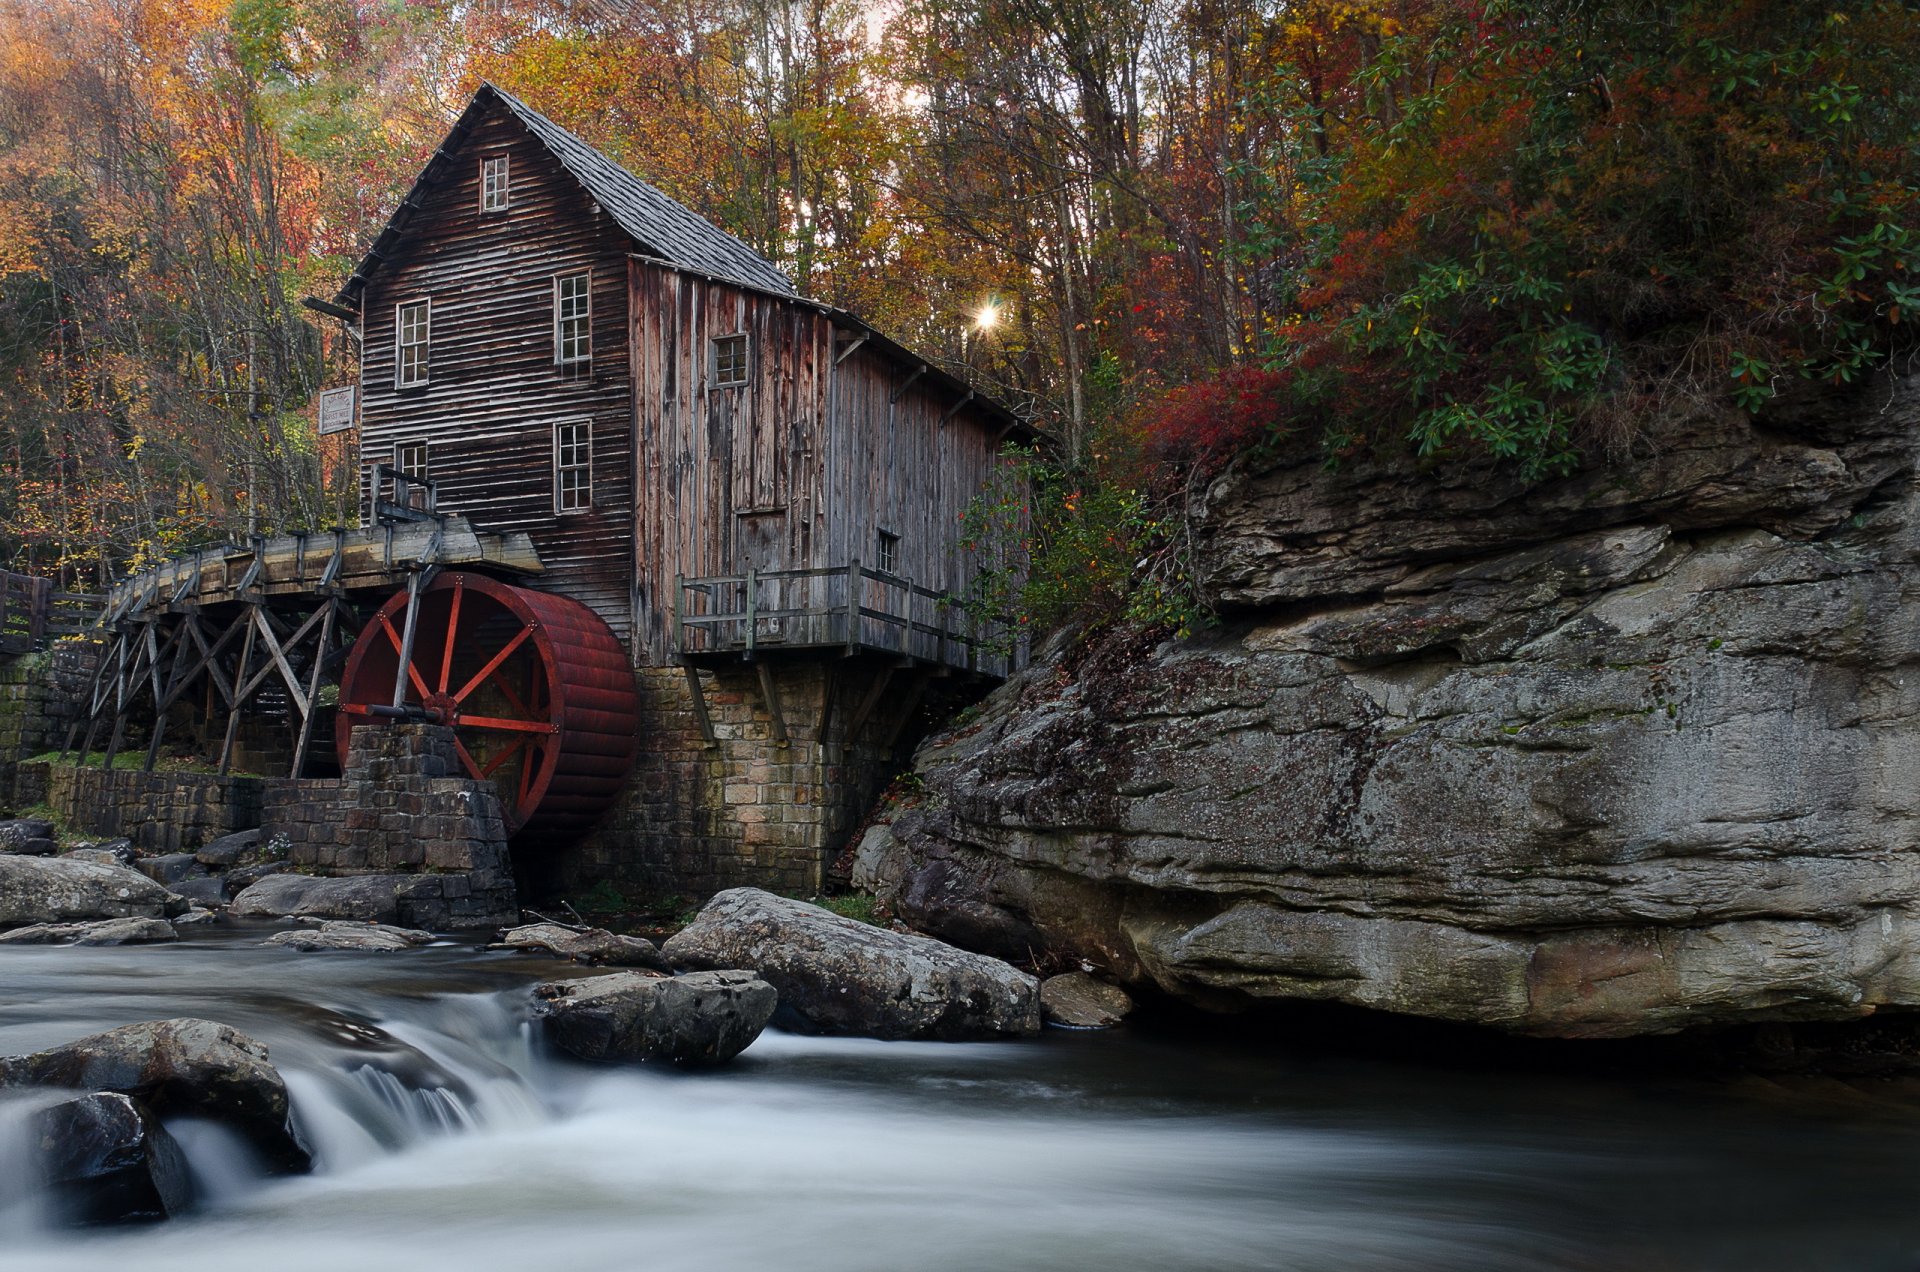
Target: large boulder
179, 1068
696, 1020
372, 898
111, 852
591, 945
104, 1158
839, 976
171, 868
1598, 758
242, 846
63, 890
239, 878
98, 932
338, 935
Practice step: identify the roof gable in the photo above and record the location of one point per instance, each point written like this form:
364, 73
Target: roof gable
661, 226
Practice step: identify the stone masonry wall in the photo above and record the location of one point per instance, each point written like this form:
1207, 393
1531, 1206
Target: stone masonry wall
747, 811
159, 812
397, 811
40, 695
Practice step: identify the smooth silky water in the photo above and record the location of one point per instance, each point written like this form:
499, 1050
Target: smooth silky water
446, 1137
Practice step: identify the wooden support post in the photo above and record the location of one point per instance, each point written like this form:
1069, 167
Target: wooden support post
773, 705
853, 605
93, 704
753, 605
406, 640
865, 709
907, 709
832, 691
699, 695
313, 690
161, 701
678, 634
239, 697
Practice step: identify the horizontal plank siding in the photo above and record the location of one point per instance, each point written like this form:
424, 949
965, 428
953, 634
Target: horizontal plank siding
494, 394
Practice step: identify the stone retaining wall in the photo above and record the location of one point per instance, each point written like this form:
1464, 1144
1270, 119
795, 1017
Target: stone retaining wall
41, 694
398, 810
159, 812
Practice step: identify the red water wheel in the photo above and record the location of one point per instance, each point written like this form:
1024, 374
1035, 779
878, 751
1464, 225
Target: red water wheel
538, 690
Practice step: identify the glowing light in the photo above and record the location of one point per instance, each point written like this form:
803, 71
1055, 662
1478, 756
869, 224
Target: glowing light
989, 315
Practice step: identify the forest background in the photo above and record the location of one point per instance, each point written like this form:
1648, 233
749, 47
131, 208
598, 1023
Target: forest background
1174, 232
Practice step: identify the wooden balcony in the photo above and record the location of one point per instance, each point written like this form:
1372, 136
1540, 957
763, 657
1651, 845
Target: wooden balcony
851, 609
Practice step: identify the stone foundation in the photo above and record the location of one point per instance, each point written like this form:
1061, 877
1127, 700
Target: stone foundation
397, 811
159, 812
696, 818
41, 694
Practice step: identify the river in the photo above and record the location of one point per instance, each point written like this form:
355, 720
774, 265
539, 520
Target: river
447, 1138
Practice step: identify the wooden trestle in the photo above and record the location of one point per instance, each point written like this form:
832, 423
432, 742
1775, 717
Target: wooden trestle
228, 622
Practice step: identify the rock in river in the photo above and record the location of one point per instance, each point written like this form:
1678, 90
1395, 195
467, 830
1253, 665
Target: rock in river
594, 945
1078, 1001
98, 932
179, 1068
104, 1158
369, 898
839, 976
700, 1019
63, 890
351, 936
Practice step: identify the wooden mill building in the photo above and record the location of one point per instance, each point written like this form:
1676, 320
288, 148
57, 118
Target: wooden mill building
759, 494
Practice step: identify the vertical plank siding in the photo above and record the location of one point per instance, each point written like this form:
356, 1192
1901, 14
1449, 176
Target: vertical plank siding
494, 394
801, 468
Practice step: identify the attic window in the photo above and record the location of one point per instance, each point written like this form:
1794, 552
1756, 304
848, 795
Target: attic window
493, 184
729, 362
410, 324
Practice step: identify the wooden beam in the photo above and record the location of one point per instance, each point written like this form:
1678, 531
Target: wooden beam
907, 709
955, 408
847, 352
772, 696
699, 693
865, 709
239, 697
313, 690
907, 384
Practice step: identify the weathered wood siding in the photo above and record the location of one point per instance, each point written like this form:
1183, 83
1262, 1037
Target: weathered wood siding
729, 478
494, 392
899, 466
801, 468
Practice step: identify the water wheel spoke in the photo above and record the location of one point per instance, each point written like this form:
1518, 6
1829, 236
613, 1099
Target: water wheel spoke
466, 758
527, 772
453, 631
413, 673
514, 700
506, 651
493, 765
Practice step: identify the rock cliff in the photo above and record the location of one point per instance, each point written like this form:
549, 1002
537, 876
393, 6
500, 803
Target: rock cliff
1632, 751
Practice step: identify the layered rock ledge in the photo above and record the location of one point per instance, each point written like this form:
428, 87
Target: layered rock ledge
1626, 753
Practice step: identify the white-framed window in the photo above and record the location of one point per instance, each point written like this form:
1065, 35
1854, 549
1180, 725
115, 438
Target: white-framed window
887, 555
410, 458
573, 466
730, 355
573, 320
494, 192
411, 322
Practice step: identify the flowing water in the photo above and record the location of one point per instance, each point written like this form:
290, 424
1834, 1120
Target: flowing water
447, 1138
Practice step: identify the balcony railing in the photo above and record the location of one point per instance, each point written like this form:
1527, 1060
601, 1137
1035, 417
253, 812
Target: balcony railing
852, 607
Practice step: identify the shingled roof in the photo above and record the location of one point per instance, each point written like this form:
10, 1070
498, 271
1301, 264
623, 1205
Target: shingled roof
662, 227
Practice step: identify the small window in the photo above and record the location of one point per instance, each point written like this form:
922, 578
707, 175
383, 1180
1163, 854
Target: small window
493, 184
411, 322
729, 362
410, 458
573, 467
889, 554
572, 320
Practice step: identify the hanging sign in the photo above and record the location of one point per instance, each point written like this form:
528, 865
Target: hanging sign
336, 410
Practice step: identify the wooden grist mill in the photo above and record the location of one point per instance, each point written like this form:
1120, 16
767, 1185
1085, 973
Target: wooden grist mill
675, 551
